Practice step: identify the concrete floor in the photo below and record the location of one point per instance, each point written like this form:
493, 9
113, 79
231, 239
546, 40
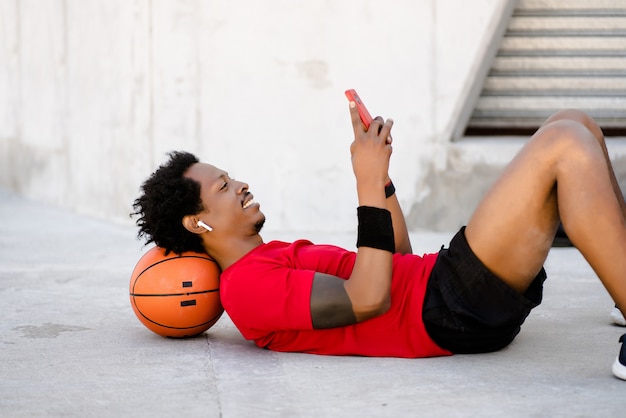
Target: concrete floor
71, 345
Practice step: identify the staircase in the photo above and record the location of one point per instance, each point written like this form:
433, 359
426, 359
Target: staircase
556, 54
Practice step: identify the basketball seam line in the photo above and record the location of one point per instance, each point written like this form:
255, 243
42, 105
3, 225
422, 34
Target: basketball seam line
176, 294
173, 258
215, 318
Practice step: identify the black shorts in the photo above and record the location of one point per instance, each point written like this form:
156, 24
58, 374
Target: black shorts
468, 309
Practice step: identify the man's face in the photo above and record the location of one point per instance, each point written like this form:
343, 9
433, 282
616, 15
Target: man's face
228, 205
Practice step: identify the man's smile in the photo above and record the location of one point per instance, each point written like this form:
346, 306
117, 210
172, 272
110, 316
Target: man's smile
249, 202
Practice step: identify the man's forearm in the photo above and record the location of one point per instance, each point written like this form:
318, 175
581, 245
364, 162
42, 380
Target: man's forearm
401, 234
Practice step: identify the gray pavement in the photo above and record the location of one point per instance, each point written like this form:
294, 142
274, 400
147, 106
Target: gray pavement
71, 345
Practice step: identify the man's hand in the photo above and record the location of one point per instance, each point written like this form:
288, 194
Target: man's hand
371, 151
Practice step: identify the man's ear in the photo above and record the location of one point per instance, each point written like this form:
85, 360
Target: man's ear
190, 222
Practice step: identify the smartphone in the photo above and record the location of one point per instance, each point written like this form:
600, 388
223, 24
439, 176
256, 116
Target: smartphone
366, 118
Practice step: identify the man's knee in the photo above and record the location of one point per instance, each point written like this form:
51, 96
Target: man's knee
567, 139
577, 116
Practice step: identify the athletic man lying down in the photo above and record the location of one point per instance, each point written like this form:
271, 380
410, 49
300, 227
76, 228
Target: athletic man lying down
382, 300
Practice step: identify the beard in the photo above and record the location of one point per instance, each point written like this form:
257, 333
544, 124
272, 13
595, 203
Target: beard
259, 225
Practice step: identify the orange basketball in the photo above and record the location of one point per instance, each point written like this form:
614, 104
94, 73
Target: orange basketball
176, 295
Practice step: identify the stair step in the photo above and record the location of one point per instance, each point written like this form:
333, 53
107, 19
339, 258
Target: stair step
555, 84
575, 23
611, 103
580, 5
598, 65
559, 44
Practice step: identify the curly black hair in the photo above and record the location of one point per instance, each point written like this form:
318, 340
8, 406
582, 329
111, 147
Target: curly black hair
167, 196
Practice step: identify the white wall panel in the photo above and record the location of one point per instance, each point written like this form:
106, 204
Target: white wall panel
106, 88
35, 161
9, 75
108, 103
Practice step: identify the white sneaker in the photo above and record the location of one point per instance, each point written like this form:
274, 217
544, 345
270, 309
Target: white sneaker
619, 366
617, 317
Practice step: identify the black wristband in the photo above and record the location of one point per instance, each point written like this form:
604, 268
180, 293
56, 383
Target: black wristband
390, 189
375, 229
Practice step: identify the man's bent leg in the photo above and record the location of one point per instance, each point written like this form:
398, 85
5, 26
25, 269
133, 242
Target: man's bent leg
561, 174
576, 115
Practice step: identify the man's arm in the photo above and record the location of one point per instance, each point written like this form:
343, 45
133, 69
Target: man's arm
367, 293
330, 305
401, 233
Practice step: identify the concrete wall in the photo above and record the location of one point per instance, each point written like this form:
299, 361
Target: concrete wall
93, 93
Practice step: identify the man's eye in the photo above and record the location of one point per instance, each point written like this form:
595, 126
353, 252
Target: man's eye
224, 186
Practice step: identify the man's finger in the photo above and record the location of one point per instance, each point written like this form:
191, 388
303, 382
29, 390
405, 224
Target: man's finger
357, 125
385, 130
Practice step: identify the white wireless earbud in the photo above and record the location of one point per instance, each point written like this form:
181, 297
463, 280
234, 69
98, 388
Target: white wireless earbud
205, 226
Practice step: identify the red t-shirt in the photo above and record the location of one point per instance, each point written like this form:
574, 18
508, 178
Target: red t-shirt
267, 295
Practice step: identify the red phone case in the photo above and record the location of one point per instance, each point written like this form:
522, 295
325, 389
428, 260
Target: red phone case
366, 118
